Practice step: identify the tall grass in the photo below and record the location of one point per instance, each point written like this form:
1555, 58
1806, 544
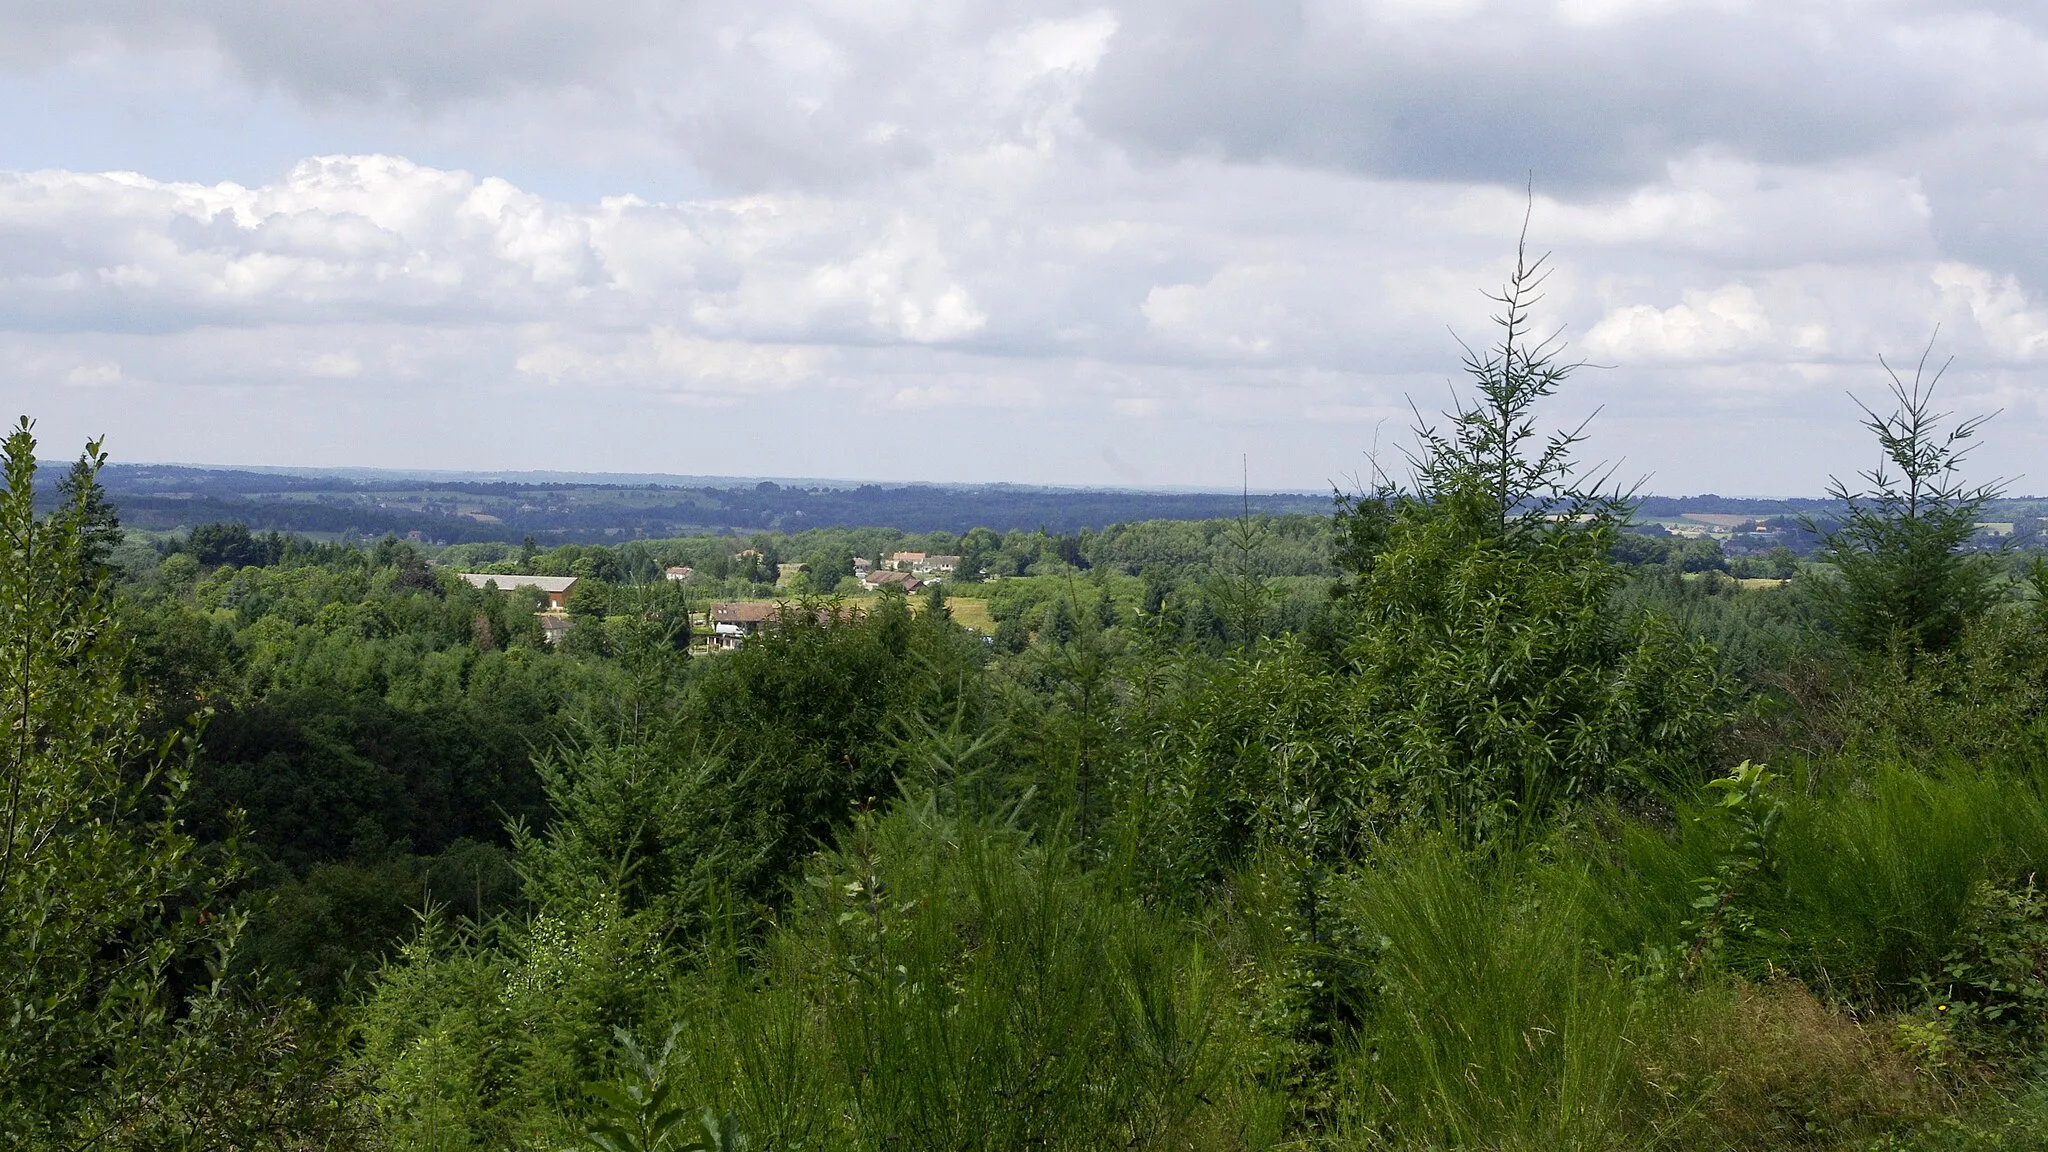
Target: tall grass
1865, 885
945, 985
1494, 1028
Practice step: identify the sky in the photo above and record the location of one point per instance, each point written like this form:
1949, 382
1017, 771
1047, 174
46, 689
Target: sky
1159, 242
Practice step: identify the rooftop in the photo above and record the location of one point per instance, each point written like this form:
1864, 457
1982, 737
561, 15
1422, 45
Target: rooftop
506, 583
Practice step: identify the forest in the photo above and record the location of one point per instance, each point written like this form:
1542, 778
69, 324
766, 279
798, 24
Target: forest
598, 509
1455, 818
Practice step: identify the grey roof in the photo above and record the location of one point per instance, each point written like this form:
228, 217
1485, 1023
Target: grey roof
507, 583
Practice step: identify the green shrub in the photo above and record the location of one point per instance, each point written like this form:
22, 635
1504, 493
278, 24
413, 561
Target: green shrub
1994, 981
127, 1020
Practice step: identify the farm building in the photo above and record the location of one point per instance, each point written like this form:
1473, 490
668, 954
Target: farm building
888, 578
557, 588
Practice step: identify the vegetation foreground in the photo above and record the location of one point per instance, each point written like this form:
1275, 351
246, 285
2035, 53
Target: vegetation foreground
1496, 844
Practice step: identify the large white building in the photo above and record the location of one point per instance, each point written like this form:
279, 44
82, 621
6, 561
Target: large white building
557, 588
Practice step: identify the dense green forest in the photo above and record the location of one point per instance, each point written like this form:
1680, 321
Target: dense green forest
1457, 818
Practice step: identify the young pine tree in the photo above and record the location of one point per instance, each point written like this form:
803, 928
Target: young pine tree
1494, 682
1903, 572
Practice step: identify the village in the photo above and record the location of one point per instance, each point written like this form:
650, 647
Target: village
723, 624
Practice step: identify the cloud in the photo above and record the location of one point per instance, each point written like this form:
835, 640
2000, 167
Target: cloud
803, 93
2009, 327
1214, 224
420, 51
348, 238
1708, 325
1585, 94
664, 359
93, 375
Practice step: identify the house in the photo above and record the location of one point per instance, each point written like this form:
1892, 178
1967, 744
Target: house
888, 578
554, 626
557, 588
680, 573
905, 561
938, 565
860, 566
733, 621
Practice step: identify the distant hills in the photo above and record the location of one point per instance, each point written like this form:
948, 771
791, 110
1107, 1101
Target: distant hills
468, 508
555, 508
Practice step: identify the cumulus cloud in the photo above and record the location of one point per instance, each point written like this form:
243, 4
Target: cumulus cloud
1728, 320
2007, 324
346, 238
1147, 233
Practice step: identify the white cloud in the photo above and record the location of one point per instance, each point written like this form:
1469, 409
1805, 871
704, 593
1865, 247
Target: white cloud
2010, 327
1726, 321
1236, 313
377, 235
93, 375
664, 359
1250, 224
335, 365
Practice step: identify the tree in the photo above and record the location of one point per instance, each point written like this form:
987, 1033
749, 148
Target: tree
828, 567
232, 543
1903, 574
1493, 680
1703, 555
106, 905
1237, 588
1057, 626
99, 525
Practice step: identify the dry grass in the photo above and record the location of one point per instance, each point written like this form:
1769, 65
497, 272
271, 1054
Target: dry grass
1774, 1067
972, 614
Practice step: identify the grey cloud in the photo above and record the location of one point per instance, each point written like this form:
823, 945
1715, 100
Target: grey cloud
423, 52
1515, 88
1203, 227
784, 93
1987, 184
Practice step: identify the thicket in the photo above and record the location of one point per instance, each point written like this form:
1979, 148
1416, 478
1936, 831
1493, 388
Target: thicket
1427, 826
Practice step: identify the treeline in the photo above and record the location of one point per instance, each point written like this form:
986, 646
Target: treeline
1162, 552
1426, 824
161, 497
1289, 545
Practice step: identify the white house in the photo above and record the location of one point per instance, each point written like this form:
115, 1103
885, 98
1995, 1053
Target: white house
733, 621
